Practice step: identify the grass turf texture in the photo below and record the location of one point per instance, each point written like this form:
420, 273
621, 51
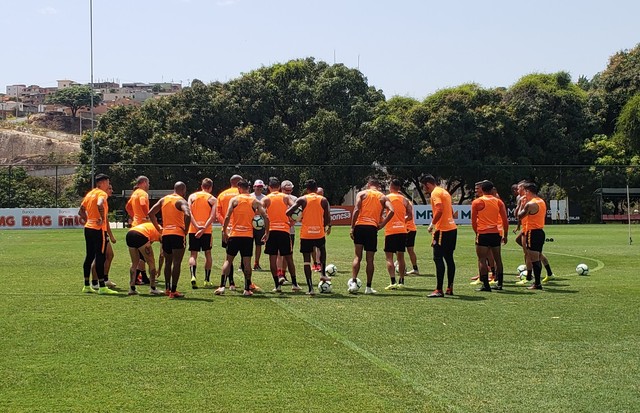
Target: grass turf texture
572, 347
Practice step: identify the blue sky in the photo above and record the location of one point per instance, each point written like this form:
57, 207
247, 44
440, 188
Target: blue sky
404, 47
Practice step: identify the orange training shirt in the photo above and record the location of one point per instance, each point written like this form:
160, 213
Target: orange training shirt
536, 221
139, 203
278, 219
488, 218
242, 216
312, 218
148, 230
200, 211
441, 196
172, 217
90, 203
397, 224
370, 209
224, 198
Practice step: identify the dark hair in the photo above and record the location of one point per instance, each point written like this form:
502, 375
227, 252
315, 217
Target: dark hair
372, 180
243, 184
274, 182
487, 186
101, 177
311, 185
428, 179
531, 187
207, 183
396, 183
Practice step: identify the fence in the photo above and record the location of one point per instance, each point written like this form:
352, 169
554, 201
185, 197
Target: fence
58, 186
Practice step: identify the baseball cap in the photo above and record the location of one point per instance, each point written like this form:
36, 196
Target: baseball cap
258, 182
287, 184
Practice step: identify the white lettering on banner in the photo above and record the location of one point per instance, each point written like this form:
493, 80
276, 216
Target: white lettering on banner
339, 213
40, 218
423, 214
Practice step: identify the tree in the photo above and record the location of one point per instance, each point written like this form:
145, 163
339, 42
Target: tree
628, 124
74, 97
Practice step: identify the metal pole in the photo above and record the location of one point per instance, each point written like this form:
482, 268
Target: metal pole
93, 143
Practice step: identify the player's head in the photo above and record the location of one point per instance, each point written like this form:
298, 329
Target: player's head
514, 189
478, 188
396, 185
373, 182
234, 180
142, 182
180, 188
487, 187
521, 185
109, 190
428, 183
311, 185
102, 181
207, 184
274, 184
320, 191
243, 186
531, 188
286, 186
258, 185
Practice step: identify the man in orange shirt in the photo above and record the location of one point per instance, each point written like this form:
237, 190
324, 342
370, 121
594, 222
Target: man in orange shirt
139, 240
138, 209
203, 212
365, 223
490, 223
108, 255
176, 217
395, 234
535, 210
224, 198
93, 211
316, 223
445, 234
237, 232
279, 243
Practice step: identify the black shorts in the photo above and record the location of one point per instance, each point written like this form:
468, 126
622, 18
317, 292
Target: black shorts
172, 242
242, 245
491, 240
136, 240
444, 242
257, 236
534, 239
279, 242
411, 238
395, 243
367, 236
199, 244
95, 241
306, 245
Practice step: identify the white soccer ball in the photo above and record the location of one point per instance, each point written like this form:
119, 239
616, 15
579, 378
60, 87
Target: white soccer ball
297, 214
582, 269
396, 265
324, 287
257, 222
331, 270
522, 271
354, 286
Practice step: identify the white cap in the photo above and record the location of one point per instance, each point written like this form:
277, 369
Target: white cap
258, 182
287, 184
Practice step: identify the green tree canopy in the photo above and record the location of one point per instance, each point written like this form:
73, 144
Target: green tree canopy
74, 97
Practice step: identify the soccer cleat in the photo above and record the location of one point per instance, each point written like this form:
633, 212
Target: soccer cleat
391, 287
207, 284
107, 291
412, 272
256, 267
449, 291
493, 283
436, 294
255, 288
193, 283
311, 293
522, 283
370, 290
89, 289
219, 290
548, 278
247, 293
232, 287
278, 289
476, 282
497, 287
295, 288
285, 282
534, 287
167, 292
132, 292
155, 291
484, 289
176, 294
325, 278
399, 286
139, 280
110, 284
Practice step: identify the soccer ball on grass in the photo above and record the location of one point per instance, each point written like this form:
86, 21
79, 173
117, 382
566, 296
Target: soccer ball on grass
324, 287
354, 285
582, 269
522, 271
331, 270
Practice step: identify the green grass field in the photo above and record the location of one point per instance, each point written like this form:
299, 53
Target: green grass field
572, 347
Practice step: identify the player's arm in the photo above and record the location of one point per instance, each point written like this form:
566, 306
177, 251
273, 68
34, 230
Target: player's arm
112, 238
101, 210
356, 211
327, 215
525, 210
219, 212
212, 215
153, 212
505, 222
437, 214
184, 207
386, 204
227, 218
299, 203
475, 208
409, 208
258, 206
82, 213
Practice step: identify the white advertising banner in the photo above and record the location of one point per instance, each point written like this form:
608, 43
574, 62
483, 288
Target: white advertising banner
423, 214
40, 218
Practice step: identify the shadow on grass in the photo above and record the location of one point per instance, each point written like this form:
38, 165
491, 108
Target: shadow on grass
556, 291
520, 291
478, 297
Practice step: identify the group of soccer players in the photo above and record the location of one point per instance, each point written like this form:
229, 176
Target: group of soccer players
236, 208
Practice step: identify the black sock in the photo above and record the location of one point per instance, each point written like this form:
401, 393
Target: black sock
393, 280
223, 280
192, 270
101, 282
485, 280
500, 278
294, 281
133, 287
145, 278
247, 284
207, 275
415, 268
546, 267
230, 276
86, 282
439, 272
537, 272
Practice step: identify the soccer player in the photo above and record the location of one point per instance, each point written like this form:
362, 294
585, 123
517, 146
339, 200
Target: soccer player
279, 242
287, 188
138, 209
139, 240
365, 223
203, 212
316, 251
93, 211
488, 217
316, 223
224, 198
412, 231
176, 217
445, 234
108, 256
257, 193
535, 210
237, 232
395, 234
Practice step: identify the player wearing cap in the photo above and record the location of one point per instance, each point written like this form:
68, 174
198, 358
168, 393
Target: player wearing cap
287, 188
257, 193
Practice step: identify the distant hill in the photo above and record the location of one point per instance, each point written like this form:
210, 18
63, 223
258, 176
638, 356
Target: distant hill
37, 146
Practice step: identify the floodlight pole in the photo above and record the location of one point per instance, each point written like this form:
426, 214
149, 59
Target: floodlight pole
93, 143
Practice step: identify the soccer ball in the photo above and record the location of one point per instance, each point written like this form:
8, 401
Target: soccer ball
353, 286
324, 287
297, 214
397, 266
582, 269
522, 271
257, 222
331, 270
